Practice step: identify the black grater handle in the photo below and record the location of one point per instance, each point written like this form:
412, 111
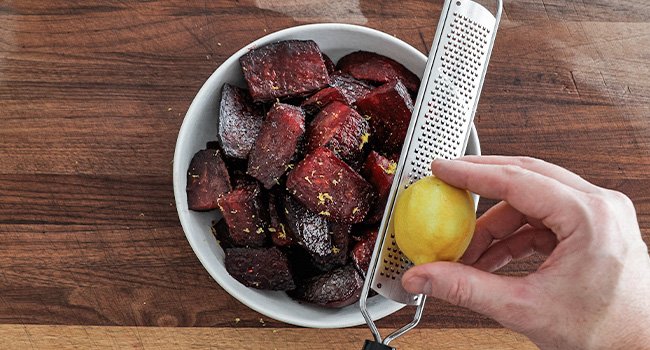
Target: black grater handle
373, 345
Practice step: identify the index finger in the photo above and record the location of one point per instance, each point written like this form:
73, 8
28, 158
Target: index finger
554, 203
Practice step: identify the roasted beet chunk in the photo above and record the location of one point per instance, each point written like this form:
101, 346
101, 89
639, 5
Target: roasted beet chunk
242, 210
276, 143
284, 69
351, 88
280, 234
310, 229
340, 237
262, 268
377, 69
317, 101
389, 109
329, 64
326, 185
380, 172
220, 231
363, 249
207, 180
239, 122
338, 288
341, 129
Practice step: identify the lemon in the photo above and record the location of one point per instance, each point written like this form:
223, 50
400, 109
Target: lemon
433, 221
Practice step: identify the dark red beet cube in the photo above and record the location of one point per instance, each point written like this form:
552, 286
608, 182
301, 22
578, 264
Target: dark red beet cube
242, 210
340, 242
220, 231
261, 268
207, 180
362, 251
239, 122
326, 185
280, 234
310, 230
378, 69
341, 129
351, 88
285, 69
335, 289
389, 109
329, 64
380, 172
276, 143
317, 101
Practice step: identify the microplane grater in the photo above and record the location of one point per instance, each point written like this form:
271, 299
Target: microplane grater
440, 127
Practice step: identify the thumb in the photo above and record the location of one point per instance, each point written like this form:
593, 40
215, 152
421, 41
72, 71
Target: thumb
499, 297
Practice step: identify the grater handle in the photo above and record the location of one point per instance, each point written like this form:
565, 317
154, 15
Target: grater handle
373, 345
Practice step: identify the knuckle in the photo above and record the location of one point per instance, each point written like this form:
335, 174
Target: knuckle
460, 293
512, 170
528, 162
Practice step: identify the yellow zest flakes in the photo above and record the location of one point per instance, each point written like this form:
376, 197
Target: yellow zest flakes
335, 182
366, 117
364, 140
232, 211
355, 210
392, 166
335, 250
237, 319
215, 154
325, 213
246, 230
286, 212
273, 87
277, 181
307, 179
195, 176
259, 230
289, 166
282, 234
272, 229
324, 196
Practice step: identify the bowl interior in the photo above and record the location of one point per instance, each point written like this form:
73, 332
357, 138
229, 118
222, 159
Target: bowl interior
199, 127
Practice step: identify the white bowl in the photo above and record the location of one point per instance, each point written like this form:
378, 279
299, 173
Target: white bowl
200, 126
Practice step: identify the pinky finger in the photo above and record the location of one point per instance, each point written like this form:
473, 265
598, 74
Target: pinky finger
521, 244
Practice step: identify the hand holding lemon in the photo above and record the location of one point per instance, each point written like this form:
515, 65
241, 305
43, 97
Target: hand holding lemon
433, 221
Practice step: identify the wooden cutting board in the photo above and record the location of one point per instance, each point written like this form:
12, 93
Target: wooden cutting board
92, 95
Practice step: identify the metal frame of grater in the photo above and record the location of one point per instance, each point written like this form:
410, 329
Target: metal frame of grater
439, 128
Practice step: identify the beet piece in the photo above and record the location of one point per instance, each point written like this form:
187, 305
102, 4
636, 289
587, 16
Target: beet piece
242, 210
317, 101
340, 242
326, 185
389, 108
220, 231
335, 289
261, 268
380, 172
351, 88
362, 251
310, 230
329, 64
276, 144
284, 69
302, 264
280, 234
378, 69
239, 121
341, 129
207, 180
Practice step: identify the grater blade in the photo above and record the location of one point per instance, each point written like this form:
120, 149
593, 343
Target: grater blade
439, 128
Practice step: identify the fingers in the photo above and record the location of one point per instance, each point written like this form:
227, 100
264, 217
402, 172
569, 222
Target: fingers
483, 292
538, 166
523, 243
537, 196
496, 223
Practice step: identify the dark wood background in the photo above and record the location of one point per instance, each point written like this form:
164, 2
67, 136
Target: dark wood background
92, 95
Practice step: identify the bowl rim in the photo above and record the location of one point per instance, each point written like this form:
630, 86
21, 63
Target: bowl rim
178, 172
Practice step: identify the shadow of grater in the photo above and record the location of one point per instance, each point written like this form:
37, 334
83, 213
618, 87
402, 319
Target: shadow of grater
439, 128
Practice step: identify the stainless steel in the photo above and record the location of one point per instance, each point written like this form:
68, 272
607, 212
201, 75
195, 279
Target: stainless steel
439, 128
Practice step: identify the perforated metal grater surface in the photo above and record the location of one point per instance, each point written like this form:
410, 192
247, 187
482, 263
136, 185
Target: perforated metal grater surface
439, 128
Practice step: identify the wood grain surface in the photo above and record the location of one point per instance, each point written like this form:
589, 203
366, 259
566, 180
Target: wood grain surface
92, 95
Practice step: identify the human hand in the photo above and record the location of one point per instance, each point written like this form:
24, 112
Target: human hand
593, 290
